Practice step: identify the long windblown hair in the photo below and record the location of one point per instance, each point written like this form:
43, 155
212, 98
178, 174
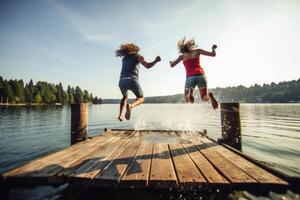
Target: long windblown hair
186, 46
126, 49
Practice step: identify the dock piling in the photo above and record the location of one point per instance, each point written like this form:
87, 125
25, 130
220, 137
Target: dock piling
231, 125
79, 122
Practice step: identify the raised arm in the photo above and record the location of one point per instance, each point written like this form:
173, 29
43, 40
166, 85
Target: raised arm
148, 64
175, 62
208, 53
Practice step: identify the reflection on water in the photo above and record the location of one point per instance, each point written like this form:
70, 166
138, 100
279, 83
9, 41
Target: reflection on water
271, 132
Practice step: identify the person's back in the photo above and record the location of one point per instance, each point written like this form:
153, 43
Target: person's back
191, 62
130, 67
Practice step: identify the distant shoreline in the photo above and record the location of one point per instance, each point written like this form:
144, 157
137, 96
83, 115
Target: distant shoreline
34, 105
31, 104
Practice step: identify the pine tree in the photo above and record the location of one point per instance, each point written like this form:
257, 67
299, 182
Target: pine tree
70, 95
86, 96
7, 92
59, 95
78, 95
1, 89
20, 91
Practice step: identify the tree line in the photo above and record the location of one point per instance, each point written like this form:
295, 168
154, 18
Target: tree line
16, 92
282, 92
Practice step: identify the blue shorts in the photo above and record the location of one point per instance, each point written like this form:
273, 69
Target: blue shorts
197, 80
131, 84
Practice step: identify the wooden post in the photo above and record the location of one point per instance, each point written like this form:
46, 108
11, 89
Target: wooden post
79, 122
231, 125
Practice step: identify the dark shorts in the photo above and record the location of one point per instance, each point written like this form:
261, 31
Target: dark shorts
197, 80
131, 84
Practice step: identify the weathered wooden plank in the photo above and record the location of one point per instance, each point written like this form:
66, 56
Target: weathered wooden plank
89, 155
99, 159
186, 170
162, 173
137, 174
36, 164
122, 158
208, 171
251, 169
124, 133
112, 173
226, 168
71, 161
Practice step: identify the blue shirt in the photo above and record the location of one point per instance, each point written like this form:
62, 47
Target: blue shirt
130, 67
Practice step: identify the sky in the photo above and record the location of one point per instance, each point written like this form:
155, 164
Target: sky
73, 41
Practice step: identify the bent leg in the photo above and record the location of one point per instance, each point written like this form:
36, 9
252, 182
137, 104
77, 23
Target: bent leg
191, 95
210, 96
203, 94
190, 84
122, 106
137, 90
213, 101
186, 95
137, 102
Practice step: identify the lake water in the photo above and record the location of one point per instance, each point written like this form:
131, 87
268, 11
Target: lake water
271, 132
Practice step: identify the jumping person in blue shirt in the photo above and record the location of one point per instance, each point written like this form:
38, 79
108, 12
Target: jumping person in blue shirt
129, 78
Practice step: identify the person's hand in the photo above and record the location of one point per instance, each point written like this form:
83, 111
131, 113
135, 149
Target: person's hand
157, 59
214, 46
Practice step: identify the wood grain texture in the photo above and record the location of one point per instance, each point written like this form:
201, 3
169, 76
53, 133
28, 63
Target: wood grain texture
137, 174
162, 173
186, 170
145, 159
225, 167
112, 173
207, 169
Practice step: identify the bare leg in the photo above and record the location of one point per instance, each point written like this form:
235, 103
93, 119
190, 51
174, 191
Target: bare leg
210, 96
122, 105
213, 101
136, 102
191, 96
186, 95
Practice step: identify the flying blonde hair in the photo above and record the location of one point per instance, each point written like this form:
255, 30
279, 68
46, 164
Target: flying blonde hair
126, 49
186, 46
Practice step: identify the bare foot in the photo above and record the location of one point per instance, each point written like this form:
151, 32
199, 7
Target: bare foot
128, 111
120, 118
191, 96
213, 101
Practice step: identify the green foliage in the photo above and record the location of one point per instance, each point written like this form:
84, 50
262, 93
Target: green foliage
7, 92
283, 92
38, 98
14, 91
97, 100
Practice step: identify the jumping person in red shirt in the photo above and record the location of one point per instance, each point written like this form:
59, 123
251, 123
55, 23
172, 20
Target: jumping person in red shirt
195, 75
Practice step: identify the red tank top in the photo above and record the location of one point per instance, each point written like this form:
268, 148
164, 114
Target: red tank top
192, 67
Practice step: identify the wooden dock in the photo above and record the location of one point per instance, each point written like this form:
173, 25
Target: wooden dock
145, 159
